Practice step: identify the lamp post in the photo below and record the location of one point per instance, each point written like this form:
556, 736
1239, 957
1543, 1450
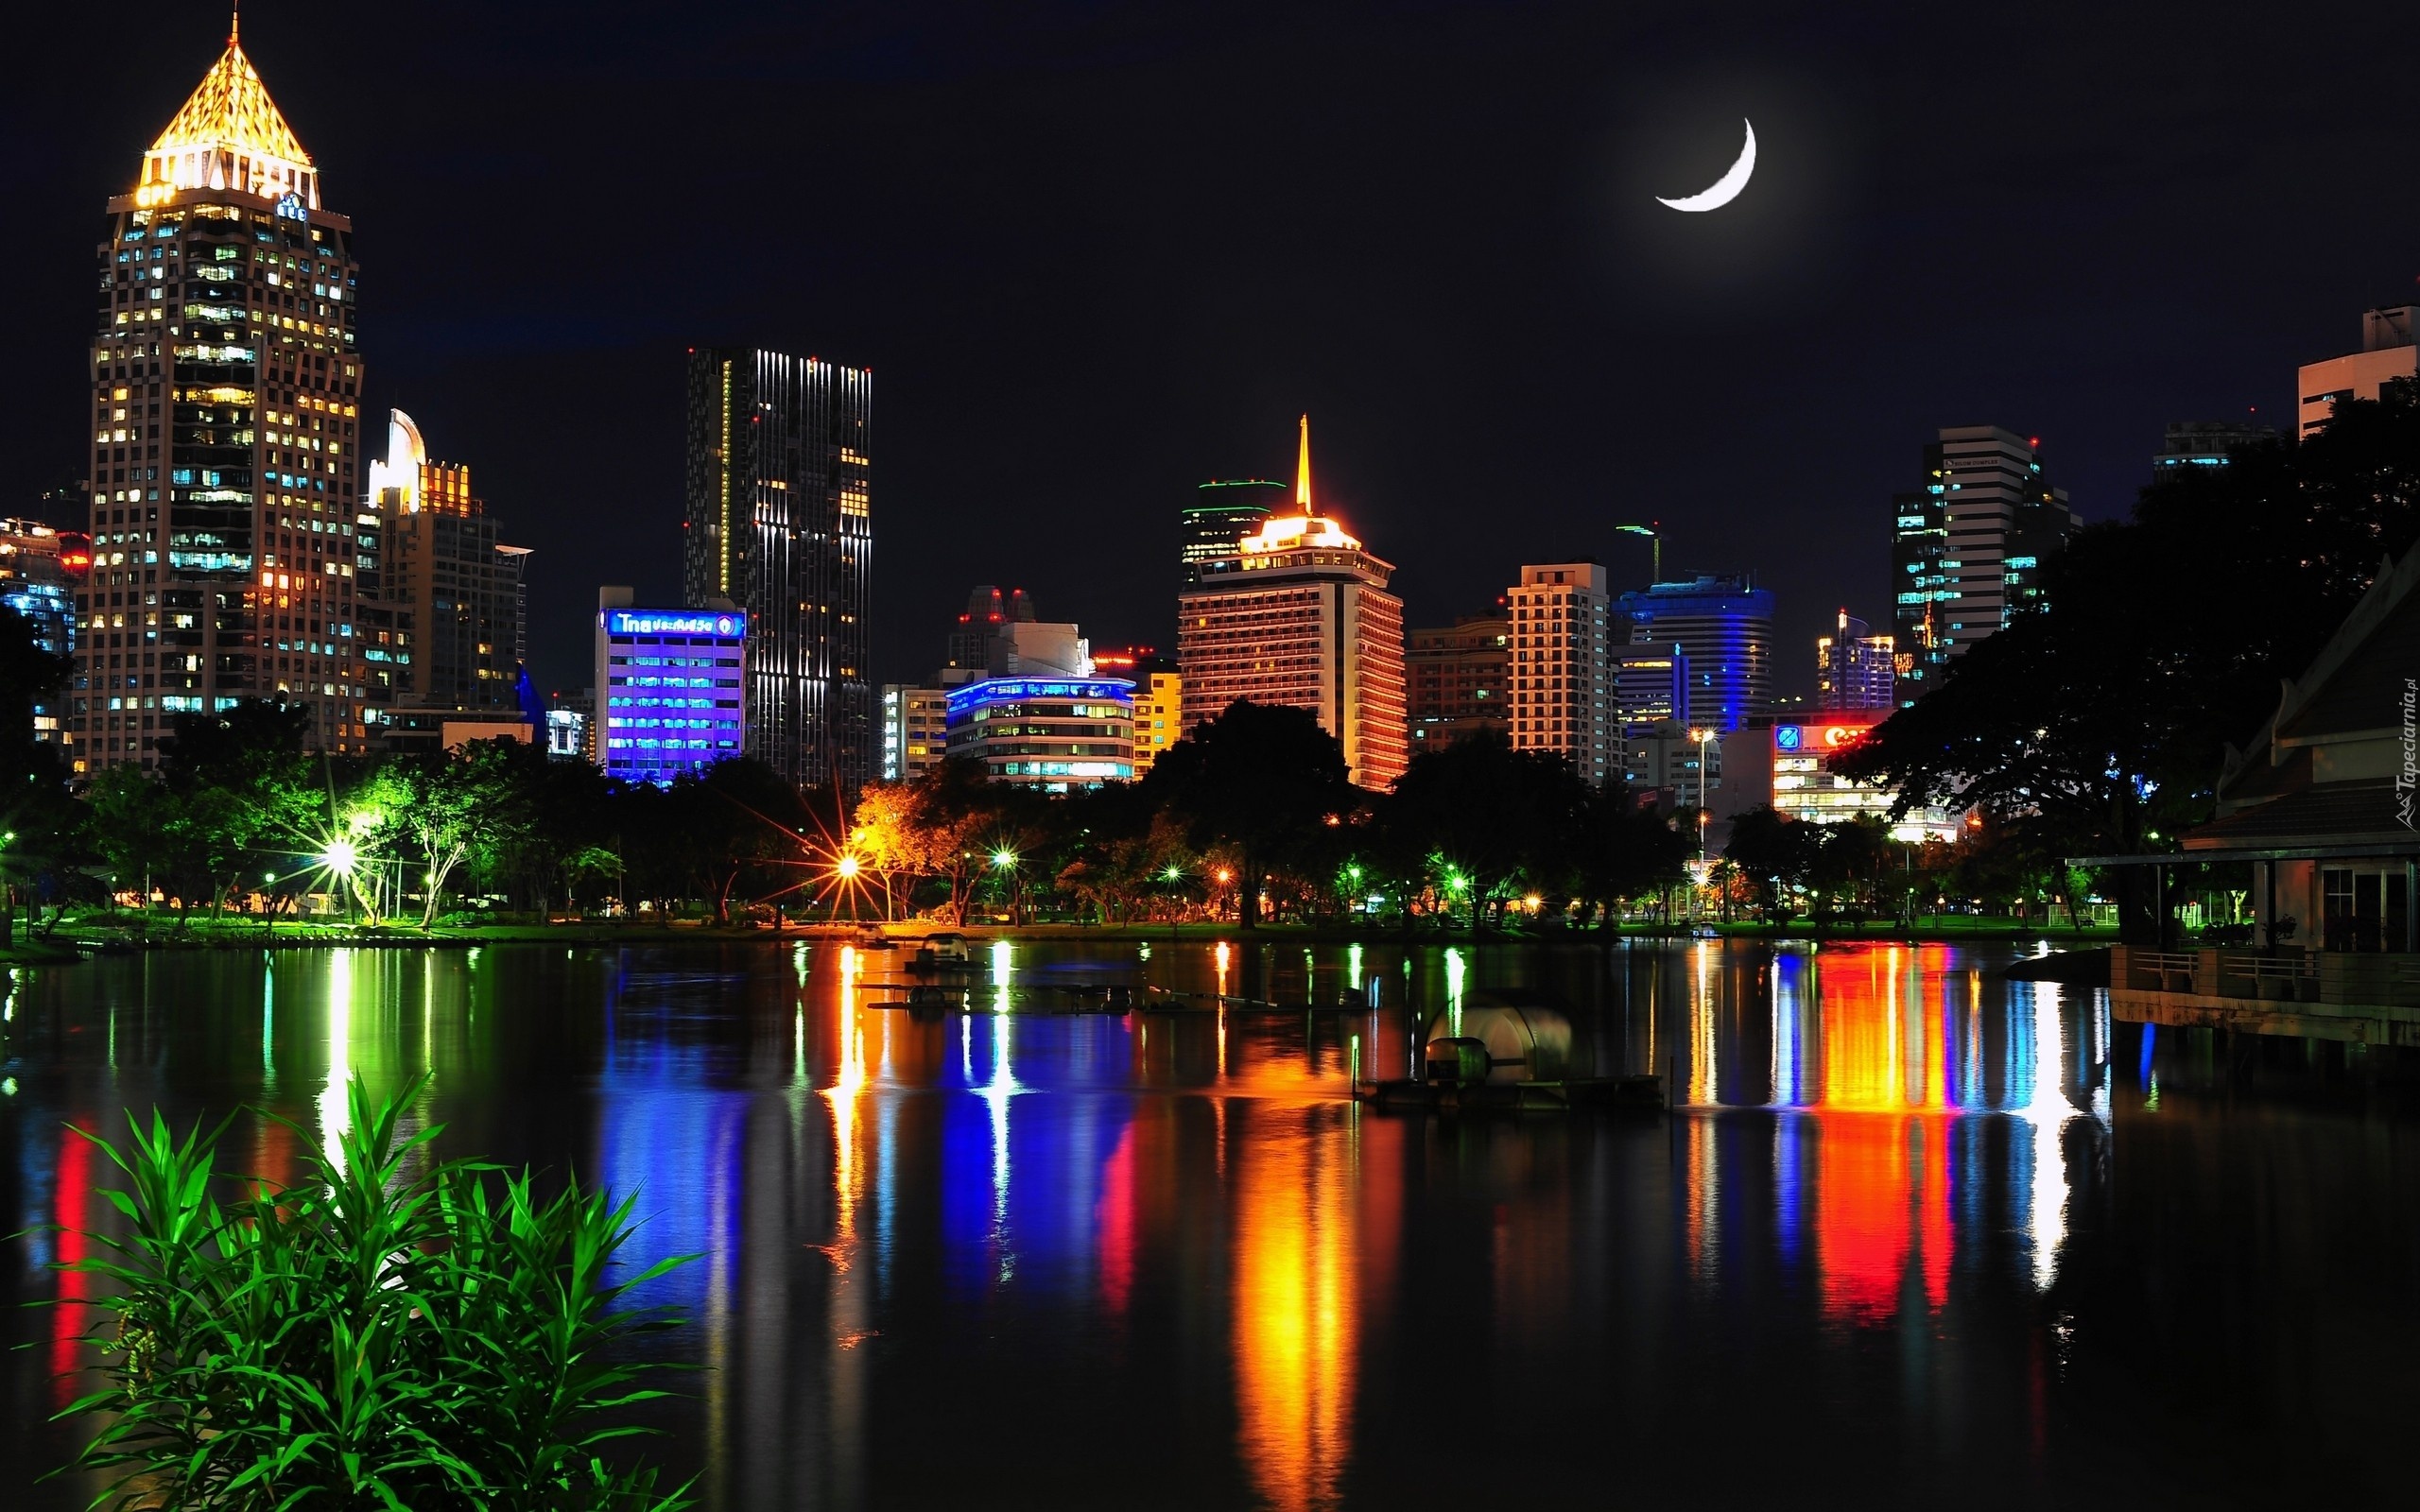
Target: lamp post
1653, 532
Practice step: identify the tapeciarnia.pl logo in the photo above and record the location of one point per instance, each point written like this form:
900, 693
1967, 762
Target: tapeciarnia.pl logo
2408, 779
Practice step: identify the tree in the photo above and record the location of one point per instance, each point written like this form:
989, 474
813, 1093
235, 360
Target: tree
2100, 715
240, 793
1498, 821
447, 807
1776, 853
1258, 778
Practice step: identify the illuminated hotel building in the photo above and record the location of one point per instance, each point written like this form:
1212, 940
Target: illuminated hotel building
440, 557
1052, 732
1563, 674
1724, 626
671, 688
224, 478
1457, 679
1299, 616
778, 523
40, 571
1806, 787
914, 730
1224, 512
1970, 547
1854, 671
2387, 353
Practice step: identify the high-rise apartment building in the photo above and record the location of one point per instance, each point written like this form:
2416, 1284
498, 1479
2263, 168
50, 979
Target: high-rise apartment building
1299, 616
915, 730
671, 688
1458, 680
1724, 627
225, 385
441, 559
1563, 667
779, 524
1970, 547
1222, 512
2387, 353
1854, 670
2205, 445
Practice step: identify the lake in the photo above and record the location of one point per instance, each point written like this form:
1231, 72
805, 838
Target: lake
1914, 1234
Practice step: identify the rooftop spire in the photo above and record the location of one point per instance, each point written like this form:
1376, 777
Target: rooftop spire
1303, 469
234, 23
228, 135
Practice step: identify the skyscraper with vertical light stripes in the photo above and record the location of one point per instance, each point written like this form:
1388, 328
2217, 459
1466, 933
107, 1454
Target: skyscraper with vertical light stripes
778, 524
225, 392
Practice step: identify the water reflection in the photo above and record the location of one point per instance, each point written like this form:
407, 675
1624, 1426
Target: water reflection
1171, 1238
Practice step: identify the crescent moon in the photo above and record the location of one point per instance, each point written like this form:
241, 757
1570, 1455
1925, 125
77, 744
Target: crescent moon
1726, 188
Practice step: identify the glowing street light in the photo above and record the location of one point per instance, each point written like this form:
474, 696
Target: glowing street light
1174, 873
1004, 858
340, 857
846, 867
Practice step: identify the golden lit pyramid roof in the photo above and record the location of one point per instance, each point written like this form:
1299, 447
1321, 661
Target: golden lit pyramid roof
229, 134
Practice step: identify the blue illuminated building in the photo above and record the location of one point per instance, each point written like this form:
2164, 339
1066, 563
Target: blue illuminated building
40, 571
1723, 627
671, 687
1055, 733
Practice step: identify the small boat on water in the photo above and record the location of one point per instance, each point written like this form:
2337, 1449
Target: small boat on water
942, 952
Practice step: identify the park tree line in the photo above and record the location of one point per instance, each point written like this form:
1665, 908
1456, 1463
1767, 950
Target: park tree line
1251, 817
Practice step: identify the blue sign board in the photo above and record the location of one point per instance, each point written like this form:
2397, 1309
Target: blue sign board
1789, 737
675, 622
1015, 690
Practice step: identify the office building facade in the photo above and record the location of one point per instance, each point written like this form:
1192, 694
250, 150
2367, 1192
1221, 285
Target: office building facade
1650, 688
2387, 353
915, 730
440, 558
1299, 617
671, 688
1806, 787
1458, 680
2205, 445
780, 524
41, 569
1224, 512
1563, 668
1159, 716
1855, 671
1056, 734
225, 384
1682, 761
1724, 625
1969, 547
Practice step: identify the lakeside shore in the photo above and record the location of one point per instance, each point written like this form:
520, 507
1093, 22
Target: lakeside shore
76, 939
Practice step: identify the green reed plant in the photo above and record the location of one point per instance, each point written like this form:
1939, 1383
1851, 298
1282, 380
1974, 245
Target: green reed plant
394, 1332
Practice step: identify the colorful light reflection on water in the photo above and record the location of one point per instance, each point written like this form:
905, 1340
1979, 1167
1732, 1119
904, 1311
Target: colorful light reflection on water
1170, 1237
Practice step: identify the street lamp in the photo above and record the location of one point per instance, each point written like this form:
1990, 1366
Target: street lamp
1654, 535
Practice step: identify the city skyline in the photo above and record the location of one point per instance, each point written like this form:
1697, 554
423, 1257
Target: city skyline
1560, 450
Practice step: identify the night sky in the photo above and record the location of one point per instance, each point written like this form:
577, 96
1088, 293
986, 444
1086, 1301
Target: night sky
1098, 254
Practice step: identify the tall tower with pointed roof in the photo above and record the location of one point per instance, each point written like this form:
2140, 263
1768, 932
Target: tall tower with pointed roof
225, 471
1297, 613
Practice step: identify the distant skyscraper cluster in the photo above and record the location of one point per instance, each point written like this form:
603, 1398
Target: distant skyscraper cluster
243, 545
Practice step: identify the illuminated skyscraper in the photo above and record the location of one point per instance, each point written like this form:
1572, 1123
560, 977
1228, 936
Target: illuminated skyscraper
40, 571
225, 381
1854, 671
1970, 547
1222, 512
1299, 616
1563, 670
778, 523
440, 557
1724, 629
